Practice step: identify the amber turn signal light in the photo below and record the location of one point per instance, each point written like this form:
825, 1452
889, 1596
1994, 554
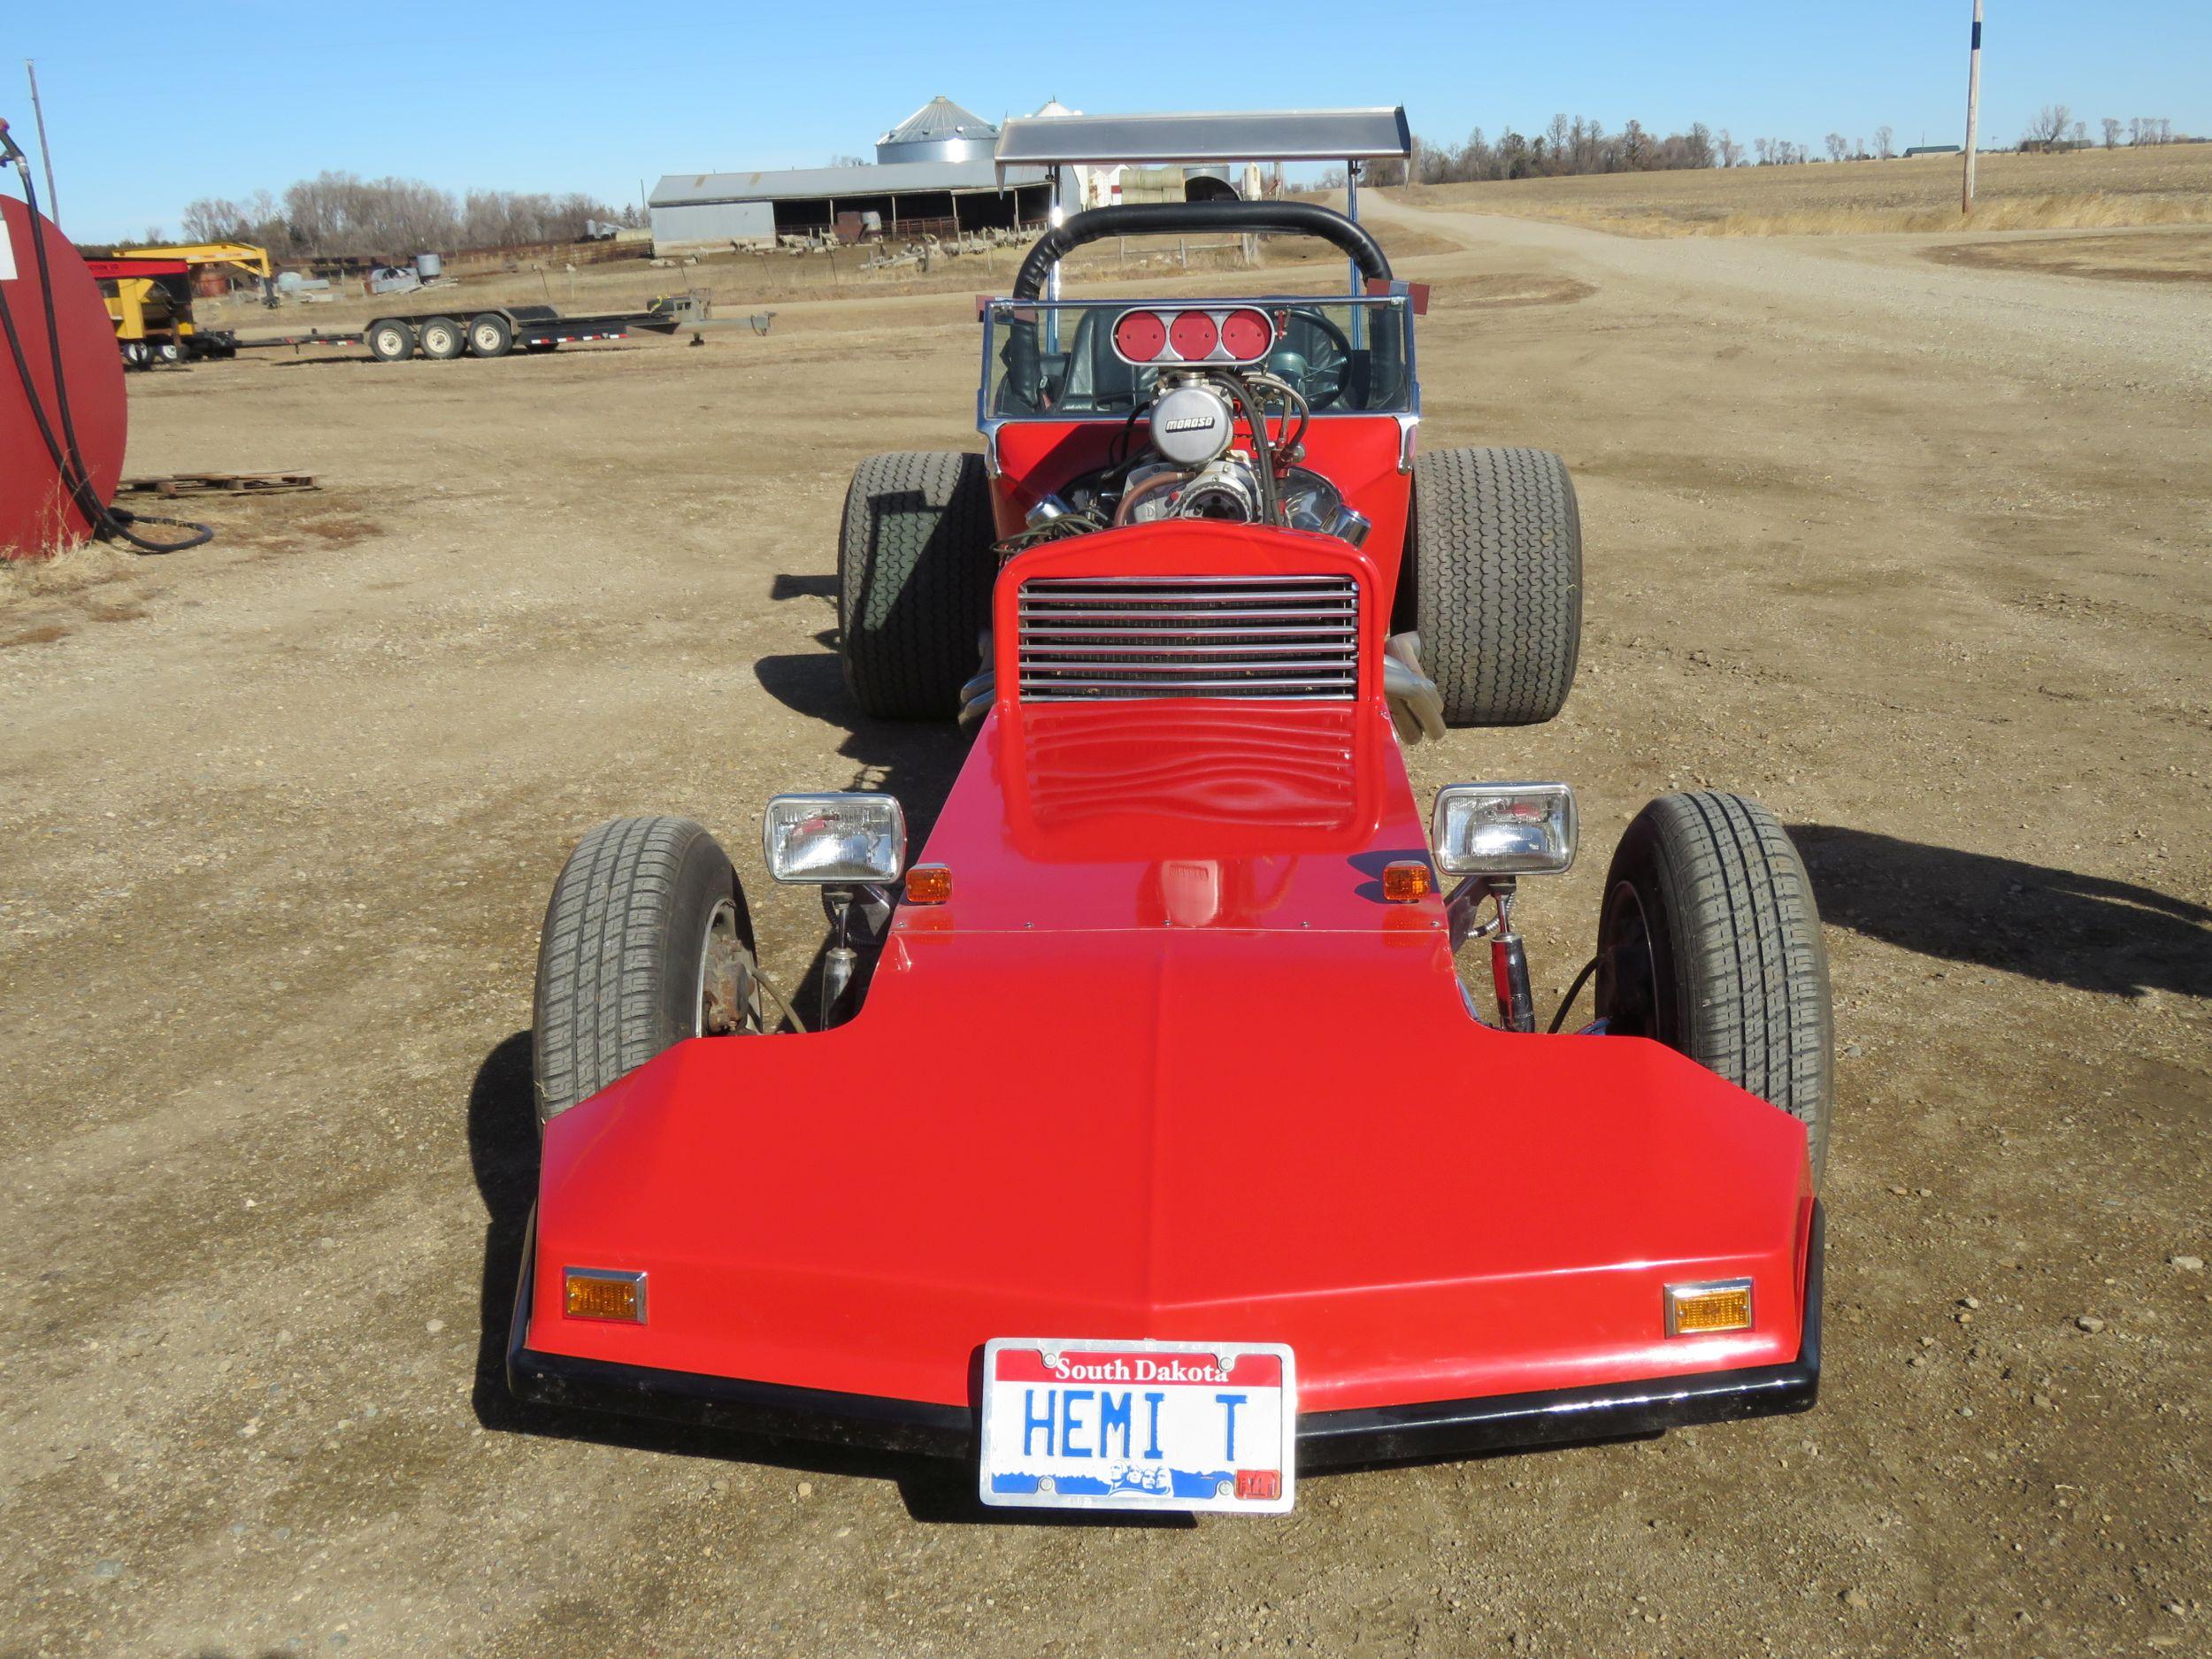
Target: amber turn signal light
1701, 1309
593, 1294
1406, 881
928, 884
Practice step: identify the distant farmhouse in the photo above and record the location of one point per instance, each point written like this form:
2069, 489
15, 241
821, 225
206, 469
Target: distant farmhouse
932, 176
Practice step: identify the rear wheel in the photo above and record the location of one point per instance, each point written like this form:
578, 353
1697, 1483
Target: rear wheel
1494, 574
1709, 942
647, 941
443, 339
914, 576
391, 341
169, 351
490, 335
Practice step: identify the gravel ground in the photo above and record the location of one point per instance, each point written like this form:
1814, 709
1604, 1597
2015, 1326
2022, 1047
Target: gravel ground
1915, 553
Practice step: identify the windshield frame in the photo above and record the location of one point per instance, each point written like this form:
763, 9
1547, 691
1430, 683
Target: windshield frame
992, 311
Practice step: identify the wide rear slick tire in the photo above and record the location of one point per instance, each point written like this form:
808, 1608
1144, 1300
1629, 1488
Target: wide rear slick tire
647, 941
1494, 551
1709, 942
914, 577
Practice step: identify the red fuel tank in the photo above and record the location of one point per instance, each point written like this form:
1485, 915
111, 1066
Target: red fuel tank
37, 516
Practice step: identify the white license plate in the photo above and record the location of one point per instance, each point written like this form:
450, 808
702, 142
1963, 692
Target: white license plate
1091, 1425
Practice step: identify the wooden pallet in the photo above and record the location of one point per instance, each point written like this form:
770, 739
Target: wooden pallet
220, 484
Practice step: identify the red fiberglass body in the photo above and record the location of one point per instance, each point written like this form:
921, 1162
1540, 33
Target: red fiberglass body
1167, 1065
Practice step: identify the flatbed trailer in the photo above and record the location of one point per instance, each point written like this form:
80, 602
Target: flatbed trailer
491, 331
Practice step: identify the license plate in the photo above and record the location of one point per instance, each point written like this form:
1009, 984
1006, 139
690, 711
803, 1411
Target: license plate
1089, 1425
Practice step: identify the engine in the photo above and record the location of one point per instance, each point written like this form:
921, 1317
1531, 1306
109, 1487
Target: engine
1190, 468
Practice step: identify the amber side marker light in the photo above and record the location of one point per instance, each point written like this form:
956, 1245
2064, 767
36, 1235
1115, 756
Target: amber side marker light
928, 884
1699, 1309
1406, 881
590, 1293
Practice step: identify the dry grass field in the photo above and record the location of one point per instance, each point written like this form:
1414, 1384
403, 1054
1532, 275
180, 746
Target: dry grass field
2166, 185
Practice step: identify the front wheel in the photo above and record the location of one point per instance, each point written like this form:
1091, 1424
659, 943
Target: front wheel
1709, 942
647, 941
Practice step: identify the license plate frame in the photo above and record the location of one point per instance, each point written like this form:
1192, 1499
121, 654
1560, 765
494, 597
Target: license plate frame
1255, 1474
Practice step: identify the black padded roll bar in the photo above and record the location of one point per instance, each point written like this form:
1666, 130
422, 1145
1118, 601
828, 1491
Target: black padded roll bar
1243, 218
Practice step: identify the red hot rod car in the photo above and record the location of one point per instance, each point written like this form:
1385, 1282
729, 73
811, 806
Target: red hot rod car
1185, 1161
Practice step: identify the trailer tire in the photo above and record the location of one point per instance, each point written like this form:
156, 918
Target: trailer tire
490, 335
1709, 942
442, 339
169, 352
646, 942
390, 340
1493, 558
914, 578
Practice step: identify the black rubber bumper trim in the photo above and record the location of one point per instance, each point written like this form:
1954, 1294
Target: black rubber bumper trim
1438, 1429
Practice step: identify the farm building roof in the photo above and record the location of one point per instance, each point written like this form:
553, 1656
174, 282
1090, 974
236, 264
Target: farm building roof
897, 178
940, 118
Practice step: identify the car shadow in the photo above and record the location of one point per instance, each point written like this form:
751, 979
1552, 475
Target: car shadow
2091, 933
503, 1137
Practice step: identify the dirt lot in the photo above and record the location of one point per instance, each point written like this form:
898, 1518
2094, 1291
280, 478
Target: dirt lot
1916, 553
2159, 185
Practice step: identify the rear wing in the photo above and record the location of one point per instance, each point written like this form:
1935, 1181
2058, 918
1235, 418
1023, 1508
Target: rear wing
1146, 141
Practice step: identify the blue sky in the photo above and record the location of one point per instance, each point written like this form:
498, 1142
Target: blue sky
557, 96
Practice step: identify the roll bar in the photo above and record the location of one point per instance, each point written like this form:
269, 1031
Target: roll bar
1243, 218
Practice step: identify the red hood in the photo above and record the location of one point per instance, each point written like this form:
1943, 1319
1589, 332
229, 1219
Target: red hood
1135, 1081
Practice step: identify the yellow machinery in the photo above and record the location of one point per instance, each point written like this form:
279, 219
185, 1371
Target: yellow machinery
152, 313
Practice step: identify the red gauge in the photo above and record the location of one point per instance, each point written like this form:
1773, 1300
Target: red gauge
1247, 335
1193, 336
1139, 336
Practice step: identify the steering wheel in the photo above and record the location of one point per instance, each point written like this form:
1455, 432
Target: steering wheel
1327, 353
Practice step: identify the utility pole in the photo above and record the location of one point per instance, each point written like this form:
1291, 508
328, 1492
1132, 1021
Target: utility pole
1973, 109
45, 152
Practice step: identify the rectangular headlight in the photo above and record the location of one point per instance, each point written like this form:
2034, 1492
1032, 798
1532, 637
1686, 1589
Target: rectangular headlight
1503, 829
835, 838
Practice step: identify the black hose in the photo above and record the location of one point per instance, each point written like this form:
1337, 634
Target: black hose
1573, 991
1263, 456
66, 454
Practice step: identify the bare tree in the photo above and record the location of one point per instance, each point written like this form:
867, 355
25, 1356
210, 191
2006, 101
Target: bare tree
2111, 133
2079, 136
1837, 146
2049, 125
1885, 143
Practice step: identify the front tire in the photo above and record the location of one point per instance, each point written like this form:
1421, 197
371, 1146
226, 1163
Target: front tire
1709, 942
914, 578
647, 941
1495, 555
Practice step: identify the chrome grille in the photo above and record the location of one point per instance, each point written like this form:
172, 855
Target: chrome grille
1085, 637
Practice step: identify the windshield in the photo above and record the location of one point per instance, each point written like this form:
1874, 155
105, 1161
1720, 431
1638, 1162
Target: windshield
1057, 359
